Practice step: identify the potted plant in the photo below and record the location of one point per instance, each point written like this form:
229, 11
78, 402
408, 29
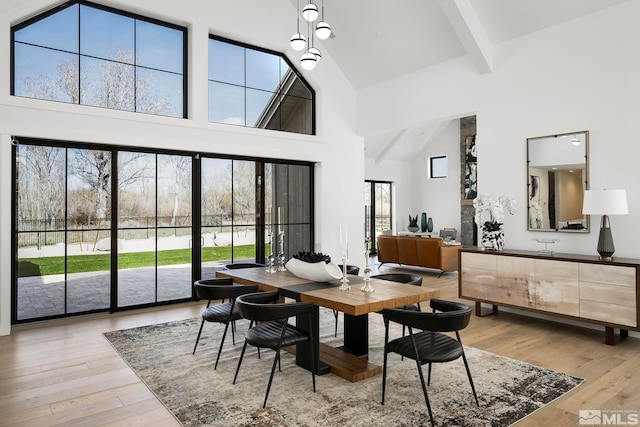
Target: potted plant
413, 224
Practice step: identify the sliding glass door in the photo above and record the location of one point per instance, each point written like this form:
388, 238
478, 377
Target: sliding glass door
106, 228
62, 231
154, 228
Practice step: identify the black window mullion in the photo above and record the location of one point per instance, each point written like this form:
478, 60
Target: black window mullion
196, 220
66, 222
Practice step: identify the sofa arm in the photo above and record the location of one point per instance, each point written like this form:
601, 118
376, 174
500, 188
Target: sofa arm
449, 258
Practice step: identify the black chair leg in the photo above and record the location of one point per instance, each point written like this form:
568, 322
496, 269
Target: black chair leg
273, 371
244, 347
233, 332
429, 375
466, 365
198, 339
335, 314
384, 366
224, 335
424, 390
384, 375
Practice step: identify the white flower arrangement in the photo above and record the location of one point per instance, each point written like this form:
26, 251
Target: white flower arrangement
490, 211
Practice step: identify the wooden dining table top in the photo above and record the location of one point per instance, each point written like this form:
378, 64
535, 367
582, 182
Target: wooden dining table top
354, 302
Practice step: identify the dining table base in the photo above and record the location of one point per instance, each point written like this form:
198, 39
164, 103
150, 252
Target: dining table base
343, 364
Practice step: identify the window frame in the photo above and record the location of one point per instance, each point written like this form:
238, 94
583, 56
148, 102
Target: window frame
442, 157
245, 87
41, 16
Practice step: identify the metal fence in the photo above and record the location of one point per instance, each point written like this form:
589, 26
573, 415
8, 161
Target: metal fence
52, 232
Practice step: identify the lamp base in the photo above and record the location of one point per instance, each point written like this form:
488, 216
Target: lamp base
605, 240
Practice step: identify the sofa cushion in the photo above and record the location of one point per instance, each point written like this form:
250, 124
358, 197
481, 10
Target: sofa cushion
428, 251
407, 253
387, 249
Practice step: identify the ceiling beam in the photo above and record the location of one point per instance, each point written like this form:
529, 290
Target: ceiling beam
467, 26
387, 149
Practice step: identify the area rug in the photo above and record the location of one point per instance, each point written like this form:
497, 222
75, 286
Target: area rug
198, 395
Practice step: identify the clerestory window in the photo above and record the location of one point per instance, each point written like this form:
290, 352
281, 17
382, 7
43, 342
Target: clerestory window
253, 87
88, 54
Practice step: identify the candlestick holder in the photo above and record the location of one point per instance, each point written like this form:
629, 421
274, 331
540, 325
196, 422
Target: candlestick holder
367, 268
270, 267
281, 258
344, 282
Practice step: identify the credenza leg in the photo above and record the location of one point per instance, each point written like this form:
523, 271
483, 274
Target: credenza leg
481, 313
624, 333
609, 335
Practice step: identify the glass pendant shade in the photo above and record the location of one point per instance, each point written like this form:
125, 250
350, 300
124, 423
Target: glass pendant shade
315, 51
308, 61
323, 30
310, 12
298, 41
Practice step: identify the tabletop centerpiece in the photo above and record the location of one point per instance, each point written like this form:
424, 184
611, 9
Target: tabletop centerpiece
313, 266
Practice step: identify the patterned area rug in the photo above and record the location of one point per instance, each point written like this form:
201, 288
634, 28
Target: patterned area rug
197, 395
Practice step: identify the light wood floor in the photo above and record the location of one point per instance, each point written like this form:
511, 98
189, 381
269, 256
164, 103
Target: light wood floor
65, 373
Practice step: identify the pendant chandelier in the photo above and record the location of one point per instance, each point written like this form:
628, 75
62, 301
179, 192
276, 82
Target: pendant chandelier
312, 54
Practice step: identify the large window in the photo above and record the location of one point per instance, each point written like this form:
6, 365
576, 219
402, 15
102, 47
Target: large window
257, 88
88, 54
104, 228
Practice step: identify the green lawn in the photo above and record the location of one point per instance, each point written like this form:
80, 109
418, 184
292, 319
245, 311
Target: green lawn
46, 266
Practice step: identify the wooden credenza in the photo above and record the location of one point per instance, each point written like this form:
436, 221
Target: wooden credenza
580, 287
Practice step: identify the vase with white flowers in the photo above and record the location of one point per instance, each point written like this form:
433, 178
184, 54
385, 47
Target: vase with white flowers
490, 212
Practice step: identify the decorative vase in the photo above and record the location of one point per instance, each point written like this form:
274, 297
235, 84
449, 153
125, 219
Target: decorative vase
413, 229
423, 222
430, 225
493, 240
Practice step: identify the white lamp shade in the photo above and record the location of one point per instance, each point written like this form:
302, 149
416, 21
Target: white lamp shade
310, 12
298, 41
323, 30
316, 52
605, 202
308, 61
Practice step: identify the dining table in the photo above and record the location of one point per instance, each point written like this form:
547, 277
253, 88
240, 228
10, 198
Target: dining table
348, 360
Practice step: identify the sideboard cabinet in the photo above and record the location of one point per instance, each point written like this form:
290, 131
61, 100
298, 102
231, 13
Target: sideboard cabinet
579, 287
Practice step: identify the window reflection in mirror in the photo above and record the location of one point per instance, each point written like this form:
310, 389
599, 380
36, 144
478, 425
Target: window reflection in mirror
557, 175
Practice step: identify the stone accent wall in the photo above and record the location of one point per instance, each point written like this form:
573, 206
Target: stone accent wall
468, 235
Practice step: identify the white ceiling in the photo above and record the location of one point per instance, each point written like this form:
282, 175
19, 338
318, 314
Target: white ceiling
379, 40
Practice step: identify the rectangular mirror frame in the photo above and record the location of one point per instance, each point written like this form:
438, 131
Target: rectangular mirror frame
538, 152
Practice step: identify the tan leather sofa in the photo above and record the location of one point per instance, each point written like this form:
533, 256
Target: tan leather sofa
429, 252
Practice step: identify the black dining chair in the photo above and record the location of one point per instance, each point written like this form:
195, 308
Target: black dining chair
224, 312
430, 345
270, 328
239, 265
352, 270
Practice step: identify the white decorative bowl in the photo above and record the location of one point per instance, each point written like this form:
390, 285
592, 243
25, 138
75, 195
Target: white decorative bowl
315, 271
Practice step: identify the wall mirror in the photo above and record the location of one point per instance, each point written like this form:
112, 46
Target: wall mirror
557, 175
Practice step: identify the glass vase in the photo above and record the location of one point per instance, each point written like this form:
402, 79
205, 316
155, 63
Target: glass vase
423, 222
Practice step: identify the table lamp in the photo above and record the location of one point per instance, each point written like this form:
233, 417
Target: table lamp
605, 203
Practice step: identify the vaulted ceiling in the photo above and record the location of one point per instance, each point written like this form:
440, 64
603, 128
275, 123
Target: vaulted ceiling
379, 40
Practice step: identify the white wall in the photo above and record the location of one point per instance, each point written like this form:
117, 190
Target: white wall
439, 198
336, 149
414, 192
582, 75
